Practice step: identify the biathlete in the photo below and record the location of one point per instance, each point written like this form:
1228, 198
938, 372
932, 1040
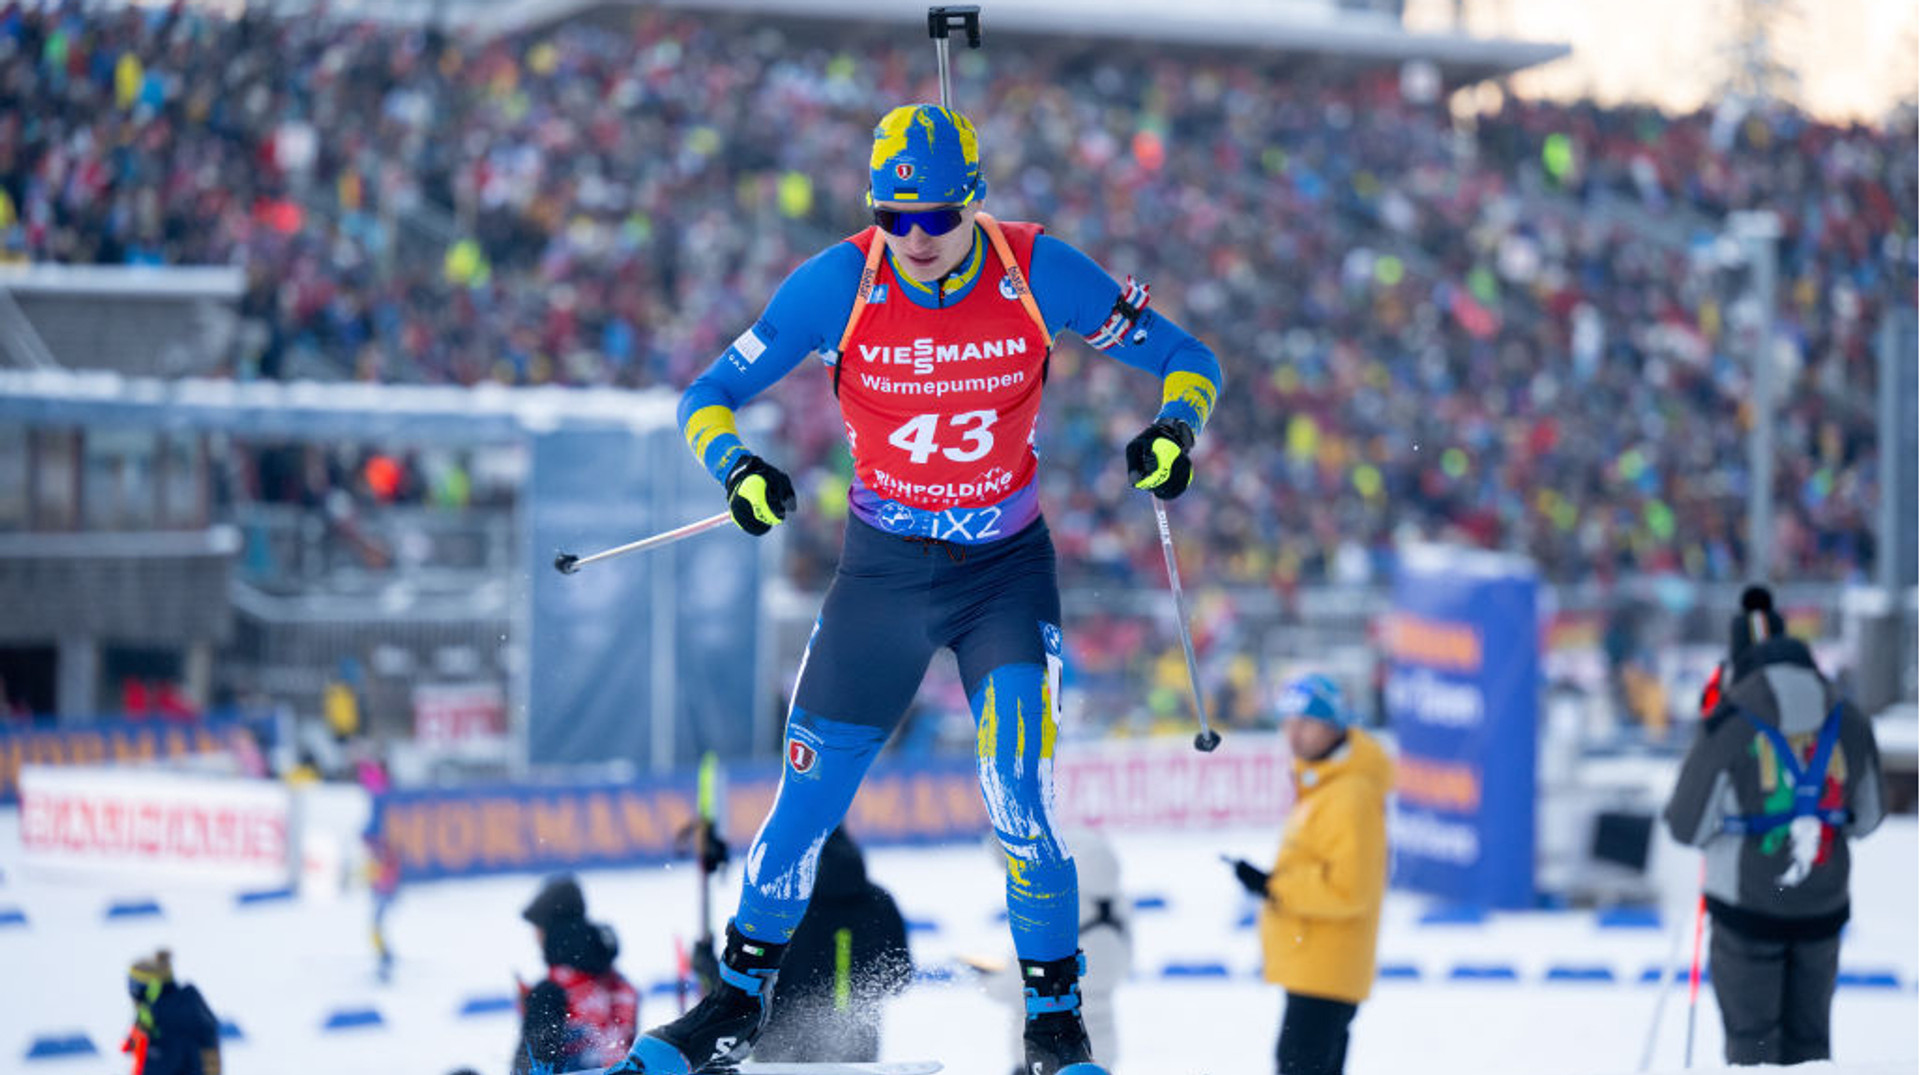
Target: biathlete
937, 322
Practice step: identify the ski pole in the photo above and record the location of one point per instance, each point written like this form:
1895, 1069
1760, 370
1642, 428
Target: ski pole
1693, 975
1207, 739
683, 973
1675, 936
567, 563
709, 855
939, 21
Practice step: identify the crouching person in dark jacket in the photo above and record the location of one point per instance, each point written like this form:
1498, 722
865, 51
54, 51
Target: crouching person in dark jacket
847, 957
584, 1013
174, 1032
1783, 773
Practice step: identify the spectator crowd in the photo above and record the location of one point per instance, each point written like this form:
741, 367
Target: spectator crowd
1521, 329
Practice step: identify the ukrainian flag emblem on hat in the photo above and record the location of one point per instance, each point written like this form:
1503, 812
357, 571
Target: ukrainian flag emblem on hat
925, 153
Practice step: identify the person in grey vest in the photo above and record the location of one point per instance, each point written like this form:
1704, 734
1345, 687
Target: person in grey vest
1783, 773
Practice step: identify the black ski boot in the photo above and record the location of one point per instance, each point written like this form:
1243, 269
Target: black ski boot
720, 1030
1055, 1037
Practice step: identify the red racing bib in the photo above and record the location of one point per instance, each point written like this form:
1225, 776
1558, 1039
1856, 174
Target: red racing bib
940, 405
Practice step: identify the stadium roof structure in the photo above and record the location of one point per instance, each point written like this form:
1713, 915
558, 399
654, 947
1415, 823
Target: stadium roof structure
417, 414
1339, 31
1324, 29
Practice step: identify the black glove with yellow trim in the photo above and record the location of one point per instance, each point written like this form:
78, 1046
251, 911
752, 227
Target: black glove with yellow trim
759, 494
1157, 459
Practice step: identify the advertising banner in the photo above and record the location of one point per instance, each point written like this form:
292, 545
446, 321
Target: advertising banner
457, 833
1147, 784
129, 821
1166, 784
108, 742
453, 714
1462, 696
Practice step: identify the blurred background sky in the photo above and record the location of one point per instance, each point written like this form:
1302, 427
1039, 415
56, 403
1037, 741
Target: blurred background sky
1848, 59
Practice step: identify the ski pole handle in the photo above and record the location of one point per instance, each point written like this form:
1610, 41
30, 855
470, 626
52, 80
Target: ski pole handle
1207, 739
939, 21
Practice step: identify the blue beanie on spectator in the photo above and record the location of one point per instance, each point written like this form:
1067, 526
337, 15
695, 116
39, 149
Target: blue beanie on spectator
1315, 697
925, 153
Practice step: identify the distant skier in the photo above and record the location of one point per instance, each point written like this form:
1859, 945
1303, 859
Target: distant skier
1782, 774
383, 885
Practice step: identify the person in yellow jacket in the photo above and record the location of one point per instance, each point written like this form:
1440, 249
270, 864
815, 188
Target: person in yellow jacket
1320, 916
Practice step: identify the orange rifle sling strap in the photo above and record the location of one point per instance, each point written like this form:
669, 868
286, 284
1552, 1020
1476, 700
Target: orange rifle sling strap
867, 277
1018, 277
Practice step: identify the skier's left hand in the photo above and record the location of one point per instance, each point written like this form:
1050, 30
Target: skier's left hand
1252, 878
1157, 459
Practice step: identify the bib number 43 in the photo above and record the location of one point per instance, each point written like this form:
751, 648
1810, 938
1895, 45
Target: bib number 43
919, 436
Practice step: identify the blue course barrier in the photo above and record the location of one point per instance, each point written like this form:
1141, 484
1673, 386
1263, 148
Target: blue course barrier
922, 925
134, 909
1454, 914
1868, 979
230, 1031
1490, 972
1628, 918
1579, 974
271, 895
1194, 970
1680, 974
63, 1045
498, 1004
13, 917
1150, 903
353, 1019
1401, 972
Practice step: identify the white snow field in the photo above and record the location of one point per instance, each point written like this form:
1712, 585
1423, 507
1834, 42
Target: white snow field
1533, 993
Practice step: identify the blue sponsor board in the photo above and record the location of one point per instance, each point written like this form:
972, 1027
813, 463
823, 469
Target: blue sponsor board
1463, 695
651, 657
108, 743
512, 829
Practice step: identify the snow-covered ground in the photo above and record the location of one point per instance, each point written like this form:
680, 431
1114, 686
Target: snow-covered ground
1537, 993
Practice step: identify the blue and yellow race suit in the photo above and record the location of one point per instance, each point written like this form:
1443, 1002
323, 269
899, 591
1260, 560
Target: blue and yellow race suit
939, 388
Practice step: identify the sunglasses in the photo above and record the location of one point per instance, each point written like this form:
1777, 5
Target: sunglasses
932, 221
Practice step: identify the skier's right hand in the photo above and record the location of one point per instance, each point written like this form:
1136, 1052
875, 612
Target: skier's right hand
759, 494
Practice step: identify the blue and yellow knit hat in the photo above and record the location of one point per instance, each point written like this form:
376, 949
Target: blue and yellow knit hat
1315, 697
149, 975
925, 153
